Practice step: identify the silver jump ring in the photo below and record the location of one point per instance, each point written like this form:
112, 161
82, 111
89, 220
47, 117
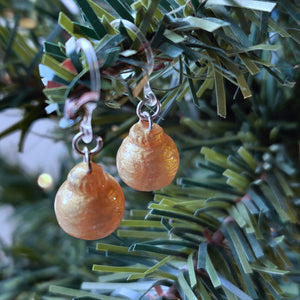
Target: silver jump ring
145, 115
95, 150
153, 116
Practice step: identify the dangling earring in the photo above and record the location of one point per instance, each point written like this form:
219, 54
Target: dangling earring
90, 204
148, 158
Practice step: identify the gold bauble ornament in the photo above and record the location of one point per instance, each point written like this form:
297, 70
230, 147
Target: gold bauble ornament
147, 159
89, 205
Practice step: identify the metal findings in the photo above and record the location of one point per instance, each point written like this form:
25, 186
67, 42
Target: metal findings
145, 115
90, 203
87, 101
140, 36
86, 152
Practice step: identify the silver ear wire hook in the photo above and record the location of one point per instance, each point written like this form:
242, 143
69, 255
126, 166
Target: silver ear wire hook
140, 36
149, 96
87, 100
145, 115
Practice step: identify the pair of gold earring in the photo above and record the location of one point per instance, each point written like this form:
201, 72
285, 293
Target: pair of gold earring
90, 203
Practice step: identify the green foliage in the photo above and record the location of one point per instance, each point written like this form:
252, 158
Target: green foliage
23, 28
201, 44
227, 230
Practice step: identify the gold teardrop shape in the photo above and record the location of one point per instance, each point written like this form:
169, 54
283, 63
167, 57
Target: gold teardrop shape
89, 205
147, 160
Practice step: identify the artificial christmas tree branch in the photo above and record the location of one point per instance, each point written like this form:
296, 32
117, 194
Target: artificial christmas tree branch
206, 40
228, 228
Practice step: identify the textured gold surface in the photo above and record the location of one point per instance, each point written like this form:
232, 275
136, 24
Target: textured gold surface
89, 206
147, 160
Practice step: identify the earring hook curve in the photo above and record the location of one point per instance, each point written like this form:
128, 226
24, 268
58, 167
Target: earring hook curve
150, 98
89, 99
